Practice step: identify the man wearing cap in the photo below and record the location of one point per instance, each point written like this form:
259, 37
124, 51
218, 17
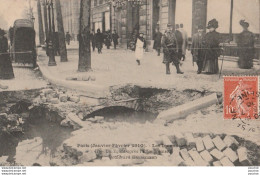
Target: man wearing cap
245, 44
197, 48
212, 49
6, 68
170, 49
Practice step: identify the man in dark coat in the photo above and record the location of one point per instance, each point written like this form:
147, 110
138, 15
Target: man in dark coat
6, 68
68, 37
93, 40
197, 48
108, 39
157, 41
246, 47
170, 48
179, 38
212, 48
115, 38
99, 41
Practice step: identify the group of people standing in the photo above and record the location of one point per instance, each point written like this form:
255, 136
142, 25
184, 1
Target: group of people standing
98, 39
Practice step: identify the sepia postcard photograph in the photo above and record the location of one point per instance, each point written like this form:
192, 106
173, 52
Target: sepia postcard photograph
165, 83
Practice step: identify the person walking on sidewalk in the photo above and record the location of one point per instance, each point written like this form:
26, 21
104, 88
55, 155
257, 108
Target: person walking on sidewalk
179, 40
197, 48
246, 47
99, 41
184, 42
68, 37
139, 48
157, 41
212, 48
107, 39
170, 48
115, 38
93, 40
6, 68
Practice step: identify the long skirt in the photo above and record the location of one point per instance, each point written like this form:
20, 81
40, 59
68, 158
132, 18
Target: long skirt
245, 60
6, 68
139, 53
210, 66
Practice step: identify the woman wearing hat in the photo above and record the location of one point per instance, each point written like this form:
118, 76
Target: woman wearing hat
246, 47
212, 49
6, 68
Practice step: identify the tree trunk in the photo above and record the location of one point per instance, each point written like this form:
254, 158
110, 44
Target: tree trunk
45, 20
41, 33
84, 37
62, 45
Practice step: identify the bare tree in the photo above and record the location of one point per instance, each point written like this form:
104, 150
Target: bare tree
41, 33
62, 45
84, 63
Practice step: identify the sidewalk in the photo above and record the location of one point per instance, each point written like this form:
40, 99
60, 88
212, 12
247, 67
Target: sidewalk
118, 67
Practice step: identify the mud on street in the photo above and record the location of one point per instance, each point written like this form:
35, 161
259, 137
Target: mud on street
57, 127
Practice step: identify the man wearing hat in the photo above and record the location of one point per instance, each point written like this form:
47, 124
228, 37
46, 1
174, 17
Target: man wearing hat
6, 68
170, 50
245, 44
212, 49
197, 48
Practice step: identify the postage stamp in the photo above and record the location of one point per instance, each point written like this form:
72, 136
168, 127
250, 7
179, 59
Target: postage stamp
241, 97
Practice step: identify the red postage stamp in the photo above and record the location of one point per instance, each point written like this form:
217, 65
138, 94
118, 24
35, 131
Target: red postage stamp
241, 97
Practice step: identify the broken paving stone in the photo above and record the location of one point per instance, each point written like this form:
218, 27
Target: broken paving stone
199, 144
231, 142
206, 156
226, 162
217, 163
99, 118
54, 101
191, 143
177, 161
65, 123
189, 162
166, 141
217, 154
232, 155
75, 99
63, 98
47, 91
184, 154
81, 115
43, 100
88, 156
242, 156
218, 142
180, 139
175, 151
198, 160
208, 143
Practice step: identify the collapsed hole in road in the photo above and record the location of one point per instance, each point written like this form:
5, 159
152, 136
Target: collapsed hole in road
123, 114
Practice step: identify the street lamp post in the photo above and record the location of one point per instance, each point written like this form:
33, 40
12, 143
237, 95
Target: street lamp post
52, 61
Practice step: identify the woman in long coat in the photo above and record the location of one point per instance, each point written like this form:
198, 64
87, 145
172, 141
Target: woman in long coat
157, 41
6, 68
99, 41
246, 47
212, 48
139, 48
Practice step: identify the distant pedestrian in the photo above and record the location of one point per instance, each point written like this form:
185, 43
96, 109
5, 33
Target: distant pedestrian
170, 48
197, 48
93, 40
179, 41
139, 48
6, 68
68, 38
212, 48
115, 38
108, 39
99, 41
157, 41
184, 41
246, 47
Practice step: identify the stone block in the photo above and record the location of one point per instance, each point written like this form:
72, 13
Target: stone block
232, 155
65, 123
199, 144
75, 99
99, 118
177, 161
218, 142
242, 156
43, 100
231, 142
217, 154
54, 101
208, 143
226, 162
206, 156
189, 162
180, 139
197, 158
88, 156
184, 154
63, 98
191, 143
47, 91
166, 140
175, 151
217, 163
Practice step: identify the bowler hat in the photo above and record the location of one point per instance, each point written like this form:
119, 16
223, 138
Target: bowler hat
212, 24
